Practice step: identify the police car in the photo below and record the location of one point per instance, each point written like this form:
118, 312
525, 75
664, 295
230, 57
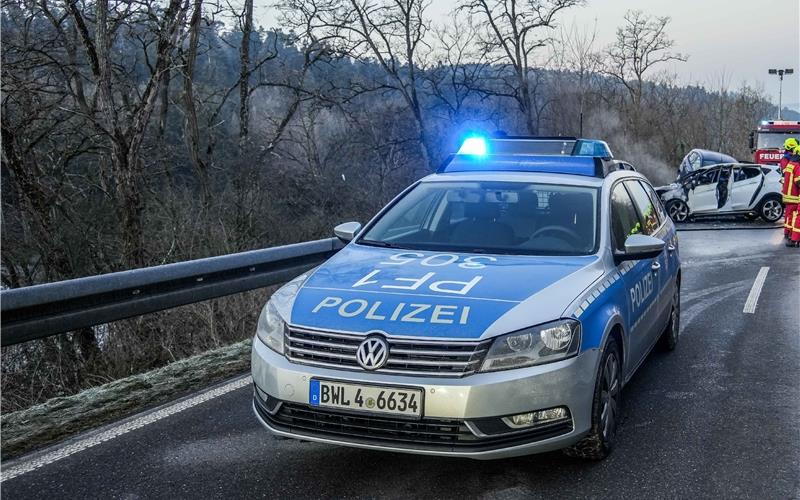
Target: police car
493, 309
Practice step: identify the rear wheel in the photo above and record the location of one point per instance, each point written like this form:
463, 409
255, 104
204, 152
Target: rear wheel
606, 408
677, 210
669, 338
771, 209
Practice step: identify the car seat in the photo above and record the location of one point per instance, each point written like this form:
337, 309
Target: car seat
574, 211
482, 227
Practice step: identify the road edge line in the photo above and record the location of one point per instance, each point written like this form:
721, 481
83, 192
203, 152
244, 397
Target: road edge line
63, 451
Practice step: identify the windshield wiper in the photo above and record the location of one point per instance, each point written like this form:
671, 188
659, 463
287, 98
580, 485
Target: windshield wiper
382, 244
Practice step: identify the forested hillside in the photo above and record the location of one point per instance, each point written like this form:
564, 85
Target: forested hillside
140, 133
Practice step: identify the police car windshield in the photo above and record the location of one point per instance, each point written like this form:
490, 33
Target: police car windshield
491, 217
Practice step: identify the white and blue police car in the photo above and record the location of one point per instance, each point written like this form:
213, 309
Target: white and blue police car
493, 309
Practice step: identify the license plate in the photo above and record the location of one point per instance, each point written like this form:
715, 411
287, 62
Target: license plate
367, 398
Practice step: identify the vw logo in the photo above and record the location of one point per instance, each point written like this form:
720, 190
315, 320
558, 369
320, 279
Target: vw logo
372, 353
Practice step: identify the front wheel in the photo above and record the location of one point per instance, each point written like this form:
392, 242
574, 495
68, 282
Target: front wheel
771, 209
606, 408
677, 210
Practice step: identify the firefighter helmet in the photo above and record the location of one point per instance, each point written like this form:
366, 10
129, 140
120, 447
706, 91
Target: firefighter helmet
790, 144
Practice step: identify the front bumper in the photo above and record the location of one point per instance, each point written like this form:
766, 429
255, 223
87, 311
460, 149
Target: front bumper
458, 406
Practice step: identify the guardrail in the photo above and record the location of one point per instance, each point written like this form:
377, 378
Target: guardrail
40, 311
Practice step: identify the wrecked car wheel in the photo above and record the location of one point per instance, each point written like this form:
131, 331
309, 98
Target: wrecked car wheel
771, 209
678, 210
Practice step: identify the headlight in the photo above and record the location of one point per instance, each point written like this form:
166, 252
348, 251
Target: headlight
534, 346
270, 324
270, 328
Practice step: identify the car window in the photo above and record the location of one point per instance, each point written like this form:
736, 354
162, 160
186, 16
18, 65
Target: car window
694, 160
656, 200
750, 172
624, 219
647, 210
707, 177
724, 174
745, 173
491, 217
772, 140
415, 217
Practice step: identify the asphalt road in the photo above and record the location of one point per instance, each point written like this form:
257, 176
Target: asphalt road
719, 417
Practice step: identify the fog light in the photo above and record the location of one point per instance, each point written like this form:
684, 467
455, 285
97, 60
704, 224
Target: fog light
536, 417
523, 419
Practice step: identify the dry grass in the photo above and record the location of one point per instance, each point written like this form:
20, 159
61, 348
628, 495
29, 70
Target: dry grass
57, 418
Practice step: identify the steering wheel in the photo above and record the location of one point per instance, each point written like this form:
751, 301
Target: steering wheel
561, 230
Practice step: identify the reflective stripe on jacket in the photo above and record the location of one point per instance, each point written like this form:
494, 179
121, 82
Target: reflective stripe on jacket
791, 176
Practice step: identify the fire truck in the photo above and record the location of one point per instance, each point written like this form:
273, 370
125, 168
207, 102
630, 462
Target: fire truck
766, 142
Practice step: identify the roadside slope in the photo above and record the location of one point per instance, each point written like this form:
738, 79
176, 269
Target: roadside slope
57, 418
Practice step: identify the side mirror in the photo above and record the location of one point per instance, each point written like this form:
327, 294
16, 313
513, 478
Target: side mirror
752, 140
640, 246
347, 231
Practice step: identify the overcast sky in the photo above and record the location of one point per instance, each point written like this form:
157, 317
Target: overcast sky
740, 38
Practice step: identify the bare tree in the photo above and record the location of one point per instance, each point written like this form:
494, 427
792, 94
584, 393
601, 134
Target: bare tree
512, 31
641, 44
578, 56
124, 112
390, 32
191, 126
458, 66
246, 25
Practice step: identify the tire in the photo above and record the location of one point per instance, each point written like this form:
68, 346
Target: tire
770, 209
677, 210
671, 334
606, 408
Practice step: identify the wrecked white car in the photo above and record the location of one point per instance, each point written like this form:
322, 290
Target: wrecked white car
725, 189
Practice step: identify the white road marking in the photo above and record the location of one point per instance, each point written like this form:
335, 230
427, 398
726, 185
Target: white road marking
755, 292
116, 431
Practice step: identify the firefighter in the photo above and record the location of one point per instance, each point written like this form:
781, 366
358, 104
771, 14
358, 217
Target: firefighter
790, 201
789, 146
791, 182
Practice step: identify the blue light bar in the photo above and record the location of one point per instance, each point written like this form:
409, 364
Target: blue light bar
575, 165
473, 146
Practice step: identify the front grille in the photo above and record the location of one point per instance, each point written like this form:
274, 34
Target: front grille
406, 357
426, 433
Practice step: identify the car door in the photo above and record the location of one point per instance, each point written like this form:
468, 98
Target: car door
747, 182
637, 275
658, 267
724, 188
702, 196
668, 260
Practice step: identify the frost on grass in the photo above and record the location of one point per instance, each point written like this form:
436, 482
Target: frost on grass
60, 417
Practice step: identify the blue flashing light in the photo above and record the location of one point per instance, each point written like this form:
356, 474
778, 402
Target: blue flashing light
474, 146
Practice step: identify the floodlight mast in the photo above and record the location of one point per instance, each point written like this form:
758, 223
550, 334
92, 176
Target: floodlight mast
780, 73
